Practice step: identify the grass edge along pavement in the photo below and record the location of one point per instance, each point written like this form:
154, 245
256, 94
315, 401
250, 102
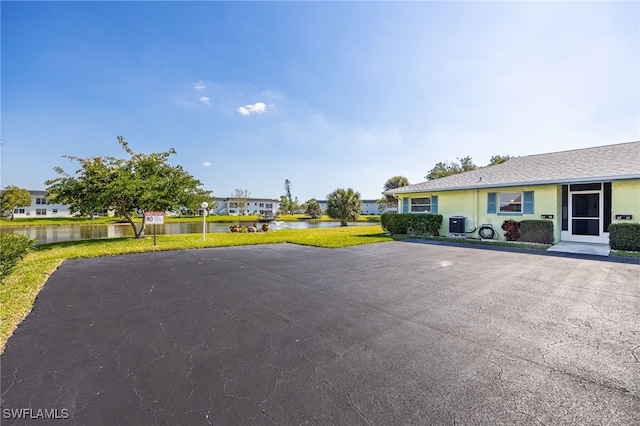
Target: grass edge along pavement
20, 287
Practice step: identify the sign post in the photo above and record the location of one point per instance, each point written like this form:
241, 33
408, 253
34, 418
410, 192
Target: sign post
204, 206
154, 218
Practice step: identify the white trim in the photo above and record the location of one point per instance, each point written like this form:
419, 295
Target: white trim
601, 237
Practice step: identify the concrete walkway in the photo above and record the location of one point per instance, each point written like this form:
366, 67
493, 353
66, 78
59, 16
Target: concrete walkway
581, 248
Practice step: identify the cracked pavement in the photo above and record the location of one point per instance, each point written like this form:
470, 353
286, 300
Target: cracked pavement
390, 333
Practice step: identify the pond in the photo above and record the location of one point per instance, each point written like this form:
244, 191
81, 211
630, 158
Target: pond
54, 234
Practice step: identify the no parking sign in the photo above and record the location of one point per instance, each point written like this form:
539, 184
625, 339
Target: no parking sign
155, 218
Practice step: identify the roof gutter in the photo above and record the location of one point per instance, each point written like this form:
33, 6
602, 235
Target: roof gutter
514, 184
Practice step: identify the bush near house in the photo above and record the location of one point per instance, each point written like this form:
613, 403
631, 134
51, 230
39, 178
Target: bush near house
624, 236
536, 231
395, 223
407, 223
511, 230
425, 224
13, 247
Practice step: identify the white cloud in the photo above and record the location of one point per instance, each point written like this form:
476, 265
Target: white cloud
205, 99
206, 163
258, 107
199, 85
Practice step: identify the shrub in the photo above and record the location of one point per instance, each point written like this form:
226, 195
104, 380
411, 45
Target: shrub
418, 224
536, 231
511, 230
425, 224
624, 236
395, 223
13, 248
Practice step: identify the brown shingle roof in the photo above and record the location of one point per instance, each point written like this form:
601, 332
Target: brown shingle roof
609, 162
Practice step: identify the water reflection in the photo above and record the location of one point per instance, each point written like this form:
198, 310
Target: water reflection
53, 234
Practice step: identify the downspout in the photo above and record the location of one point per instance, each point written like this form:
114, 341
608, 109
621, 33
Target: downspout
477, 225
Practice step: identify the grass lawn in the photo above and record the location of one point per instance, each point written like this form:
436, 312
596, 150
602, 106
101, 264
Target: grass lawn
624, 253
19, 290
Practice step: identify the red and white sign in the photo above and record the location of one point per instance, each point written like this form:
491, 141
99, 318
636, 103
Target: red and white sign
154, 217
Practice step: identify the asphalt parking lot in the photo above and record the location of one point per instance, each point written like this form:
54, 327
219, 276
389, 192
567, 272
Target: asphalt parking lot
390, 333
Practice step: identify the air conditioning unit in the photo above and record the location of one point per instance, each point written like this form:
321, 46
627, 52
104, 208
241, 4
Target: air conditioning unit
457, 224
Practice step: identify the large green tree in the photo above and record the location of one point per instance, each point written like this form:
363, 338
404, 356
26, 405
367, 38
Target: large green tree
313, 208
344, 205
498, 159
130, 187
12, 197
462, 165
441, 169
388, 201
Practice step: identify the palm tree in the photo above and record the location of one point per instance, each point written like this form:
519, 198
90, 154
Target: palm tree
387, 201
313, 208
396, 182
344, 204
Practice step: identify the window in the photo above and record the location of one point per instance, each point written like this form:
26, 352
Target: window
585, 187
269, 206
54, 211
233, 205
232, 212
41, 200
510, 202
41, 212
515, 203
18, 211
261, 205
420, 205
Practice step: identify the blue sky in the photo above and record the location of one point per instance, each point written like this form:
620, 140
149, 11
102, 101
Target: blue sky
327, 95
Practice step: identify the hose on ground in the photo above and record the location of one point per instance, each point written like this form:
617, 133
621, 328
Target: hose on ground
486, 232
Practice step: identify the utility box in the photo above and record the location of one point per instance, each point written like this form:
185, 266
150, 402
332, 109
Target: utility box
457, 224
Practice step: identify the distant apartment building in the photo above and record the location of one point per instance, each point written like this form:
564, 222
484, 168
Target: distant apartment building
40, 207
368, 207
230, 206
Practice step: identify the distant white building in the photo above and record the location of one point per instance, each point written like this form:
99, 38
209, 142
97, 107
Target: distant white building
41, 208
368, 207
261, 206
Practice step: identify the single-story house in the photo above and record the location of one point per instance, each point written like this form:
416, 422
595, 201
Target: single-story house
581, 191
